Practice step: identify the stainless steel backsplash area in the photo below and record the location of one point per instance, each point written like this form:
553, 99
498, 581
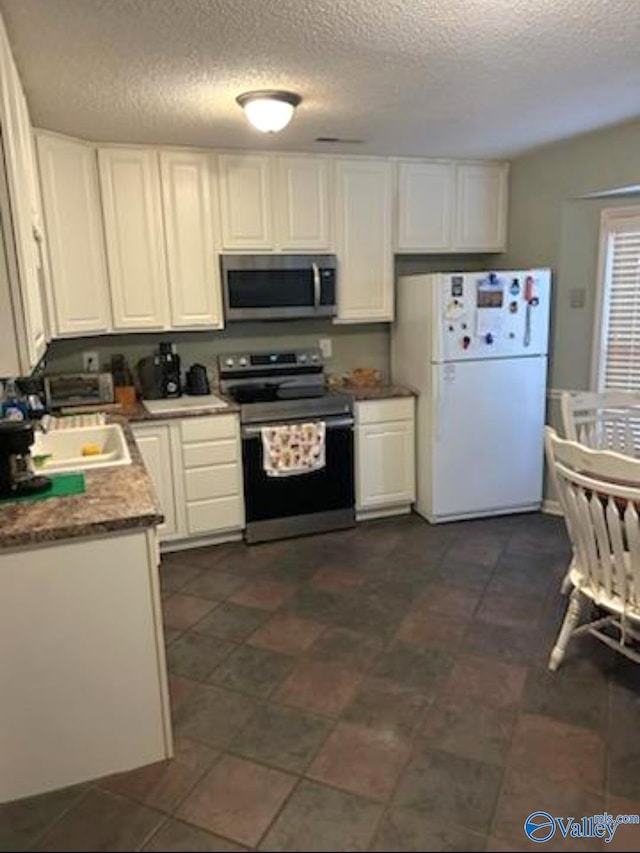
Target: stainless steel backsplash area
353, 346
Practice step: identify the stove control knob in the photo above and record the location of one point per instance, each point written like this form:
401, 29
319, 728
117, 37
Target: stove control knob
302, 359
466, 342
488, 338
243, 362
314, 357
229, 362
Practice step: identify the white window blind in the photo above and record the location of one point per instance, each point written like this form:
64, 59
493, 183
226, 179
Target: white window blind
620, 344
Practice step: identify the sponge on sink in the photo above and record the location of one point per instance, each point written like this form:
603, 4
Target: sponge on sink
91, 450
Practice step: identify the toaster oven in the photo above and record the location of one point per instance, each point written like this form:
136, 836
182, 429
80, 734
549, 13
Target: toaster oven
78, 389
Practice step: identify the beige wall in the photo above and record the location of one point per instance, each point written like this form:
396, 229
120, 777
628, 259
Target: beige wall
550, 225
353, 346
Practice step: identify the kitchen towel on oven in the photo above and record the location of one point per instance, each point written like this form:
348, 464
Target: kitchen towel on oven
292, 449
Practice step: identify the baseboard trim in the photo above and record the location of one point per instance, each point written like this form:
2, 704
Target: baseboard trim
551, 507
371, 514
199, 541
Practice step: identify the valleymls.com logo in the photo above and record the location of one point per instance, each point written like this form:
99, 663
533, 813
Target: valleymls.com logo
541, 826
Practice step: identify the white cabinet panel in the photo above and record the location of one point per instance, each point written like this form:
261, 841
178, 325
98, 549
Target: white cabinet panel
385, 454
75, 235
481, 206
215, 516
246, 201
22, 190
134, 235
209, 428
425, 206
302, 197
385, 463
363, 240
155, 448
216, 481
194, 279
209, 453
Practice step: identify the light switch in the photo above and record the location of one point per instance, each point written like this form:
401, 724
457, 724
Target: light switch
577, 297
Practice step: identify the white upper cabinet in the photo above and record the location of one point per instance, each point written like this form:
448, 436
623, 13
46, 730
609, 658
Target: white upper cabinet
194, 278
29, 310
131, 198
481, 207
444, 206
246, 202
275, 203
302, 200
364, 198
75, 236
426, 196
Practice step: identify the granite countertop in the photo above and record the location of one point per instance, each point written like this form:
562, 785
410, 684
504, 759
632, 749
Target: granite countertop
139, 413
376, 392
115, 499
120, 498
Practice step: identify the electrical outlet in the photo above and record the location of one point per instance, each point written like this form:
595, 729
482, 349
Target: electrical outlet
326, 347
90, 361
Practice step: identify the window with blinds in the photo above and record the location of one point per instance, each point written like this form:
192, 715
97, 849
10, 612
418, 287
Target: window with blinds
619, 363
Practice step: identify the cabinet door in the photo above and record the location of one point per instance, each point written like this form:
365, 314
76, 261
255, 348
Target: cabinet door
246, 202
302, 197
425, 206
385, 465
155, 448
21, 180
194, 279
363, 240
130, 185
75, 236
481, 207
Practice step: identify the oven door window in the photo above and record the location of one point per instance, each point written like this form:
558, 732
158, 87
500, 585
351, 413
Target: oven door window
270, 288
319, 491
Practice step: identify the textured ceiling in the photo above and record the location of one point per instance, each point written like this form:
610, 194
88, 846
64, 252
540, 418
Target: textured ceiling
422, 77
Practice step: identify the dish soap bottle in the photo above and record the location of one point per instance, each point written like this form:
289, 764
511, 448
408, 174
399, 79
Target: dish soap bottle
13, 407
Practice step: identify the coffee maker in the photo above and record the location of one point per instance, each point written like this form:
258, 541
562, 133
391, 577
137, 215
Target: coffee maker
17, 477
159, 374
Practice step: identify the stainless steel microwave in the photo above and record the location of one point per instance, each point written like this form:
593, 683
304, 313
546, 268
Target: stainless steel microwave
278, 287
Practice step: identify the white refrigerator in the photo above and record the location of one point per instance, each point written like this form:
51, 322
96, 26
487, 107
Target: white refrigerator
474, 347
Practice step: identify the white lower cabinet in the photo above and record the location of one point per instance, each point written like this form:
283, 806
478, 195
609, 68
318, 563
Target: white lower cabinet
154, 443
196, 467
385, 456
84, 695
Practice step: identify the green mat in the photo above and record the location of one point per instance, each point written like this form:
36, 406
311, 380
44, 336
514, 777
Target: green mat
62, 485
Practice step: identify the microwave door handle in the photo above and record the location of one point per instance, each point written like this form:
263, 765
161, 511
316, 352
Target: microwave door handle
316, 285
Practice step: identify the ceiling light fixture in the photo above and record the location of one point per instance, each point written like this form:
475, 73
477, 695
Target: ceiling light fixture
269, 110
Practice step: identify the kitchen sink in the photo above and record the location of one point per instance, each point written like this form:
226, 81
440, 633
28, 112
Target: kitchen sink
62, 450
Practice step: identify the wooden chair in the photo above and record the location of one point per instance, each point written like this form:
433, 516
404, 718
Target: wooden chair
610, 420
600, 495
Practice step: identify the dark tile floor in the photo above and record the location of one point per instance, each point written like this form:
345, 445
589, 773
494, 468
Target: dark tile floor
383, 688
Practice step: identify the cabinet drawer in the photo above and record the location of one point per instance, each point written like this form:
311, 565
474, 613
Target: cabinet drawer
209, 453
383, 411
214, 515
213, 482
209, 428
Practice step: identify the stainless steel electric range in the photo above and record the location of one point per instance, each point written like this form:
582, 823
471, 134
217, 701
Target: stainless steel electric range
275, 388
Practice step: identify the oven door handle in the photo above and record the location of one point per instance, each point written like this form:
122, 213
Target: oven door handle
331, 423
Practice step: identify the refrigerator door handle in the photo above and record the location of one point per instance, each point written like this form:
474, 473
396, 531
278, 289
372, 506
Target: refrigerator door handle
437, 407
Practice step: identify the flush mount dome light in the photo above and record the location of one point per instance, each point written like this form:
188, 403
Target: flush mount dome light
269, 111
